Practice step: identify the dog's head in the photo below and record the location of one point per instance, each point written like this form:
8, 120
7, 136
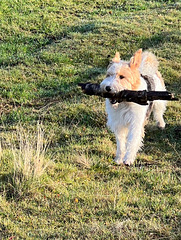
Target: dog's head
123, 75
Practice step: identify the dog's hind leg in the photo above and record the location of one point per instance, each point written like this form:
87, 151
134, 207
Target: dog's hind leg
159, 108
121, 136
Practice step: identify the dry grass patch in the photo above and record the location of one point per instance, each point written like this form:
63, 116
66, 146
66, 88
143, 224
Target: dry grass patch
29, 158
29, 155
82, 161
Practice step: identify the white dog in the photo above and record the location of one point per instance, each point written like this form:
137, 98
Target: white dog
125, 119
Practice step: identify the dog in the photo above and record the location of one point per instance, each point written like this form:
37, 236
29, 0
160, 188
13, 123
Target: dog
126, 119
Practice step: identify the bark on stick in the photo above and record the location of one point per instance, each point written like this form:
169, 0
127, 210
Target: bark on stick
139, 97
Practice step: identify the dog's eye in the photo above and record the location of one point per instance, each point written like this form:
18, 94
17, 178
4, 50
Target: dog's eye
121, 76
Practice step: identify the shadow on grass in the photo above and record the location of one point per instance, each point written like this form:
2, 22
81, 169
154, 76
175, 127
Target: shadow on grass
166, 143
36, 45
160, 39
10, 188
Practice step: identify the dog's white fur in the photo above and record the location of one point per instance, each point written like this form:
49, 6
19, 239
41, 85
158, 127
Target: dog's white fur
127, 120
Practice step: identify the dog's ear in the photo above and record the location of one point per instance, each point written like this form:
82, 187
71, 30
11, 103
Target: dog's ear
116, 58
135, 61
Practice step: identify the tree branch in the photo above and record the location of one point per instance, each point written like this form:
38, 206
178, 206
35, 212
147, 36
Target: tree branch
139, 97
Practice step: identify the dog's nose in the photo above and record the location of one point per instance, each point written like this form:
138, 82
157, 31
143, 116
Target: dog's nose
108, 88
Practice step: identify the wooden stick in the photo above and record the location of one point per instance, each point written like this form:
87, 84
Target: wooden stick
139, 97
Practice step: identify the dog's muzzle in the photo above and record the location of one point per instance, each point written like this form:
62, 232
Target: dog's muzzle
112, 101
108, 89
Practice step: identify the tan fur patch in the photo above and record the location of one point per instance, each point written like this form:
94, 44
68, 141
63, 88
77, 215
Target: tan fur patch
160, 77
135, 61
116, 58
131, 78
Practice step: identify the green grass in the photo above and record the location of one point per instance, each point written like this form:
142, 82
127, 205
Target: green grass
46, 48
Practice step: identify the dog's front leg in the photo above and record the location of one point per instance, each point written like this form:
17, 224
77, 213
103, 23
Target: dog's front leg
134, 142
121, 145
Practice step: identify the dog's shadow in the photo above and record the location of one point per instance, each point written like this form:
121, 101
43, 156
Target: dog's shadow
161, 145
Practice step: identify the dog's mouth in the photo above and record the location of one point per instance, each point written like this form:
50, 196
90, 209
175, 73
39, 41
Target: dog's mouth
113, 101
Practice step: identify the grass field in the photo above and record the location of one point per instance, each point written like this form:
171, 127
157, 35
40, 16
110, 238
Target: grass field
57, 177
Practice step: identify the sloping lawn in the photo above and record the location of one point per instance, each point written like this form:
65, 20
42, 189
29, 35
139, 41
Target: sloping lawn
57, 176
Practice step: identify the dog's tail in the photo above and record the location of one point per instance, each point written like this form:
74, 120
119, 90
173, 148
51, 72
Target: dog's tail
149, 64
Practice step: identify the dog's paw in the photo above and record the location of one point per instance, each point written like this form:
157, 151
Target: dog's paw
128, 162
161, 125
118, 160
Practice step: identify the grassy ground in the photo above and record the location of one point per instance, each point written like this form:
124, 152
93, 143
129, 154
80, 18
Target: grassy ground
75, 191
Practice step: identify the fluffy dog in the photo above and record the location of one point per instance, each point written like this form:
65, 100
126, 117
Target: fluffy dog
125, 119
